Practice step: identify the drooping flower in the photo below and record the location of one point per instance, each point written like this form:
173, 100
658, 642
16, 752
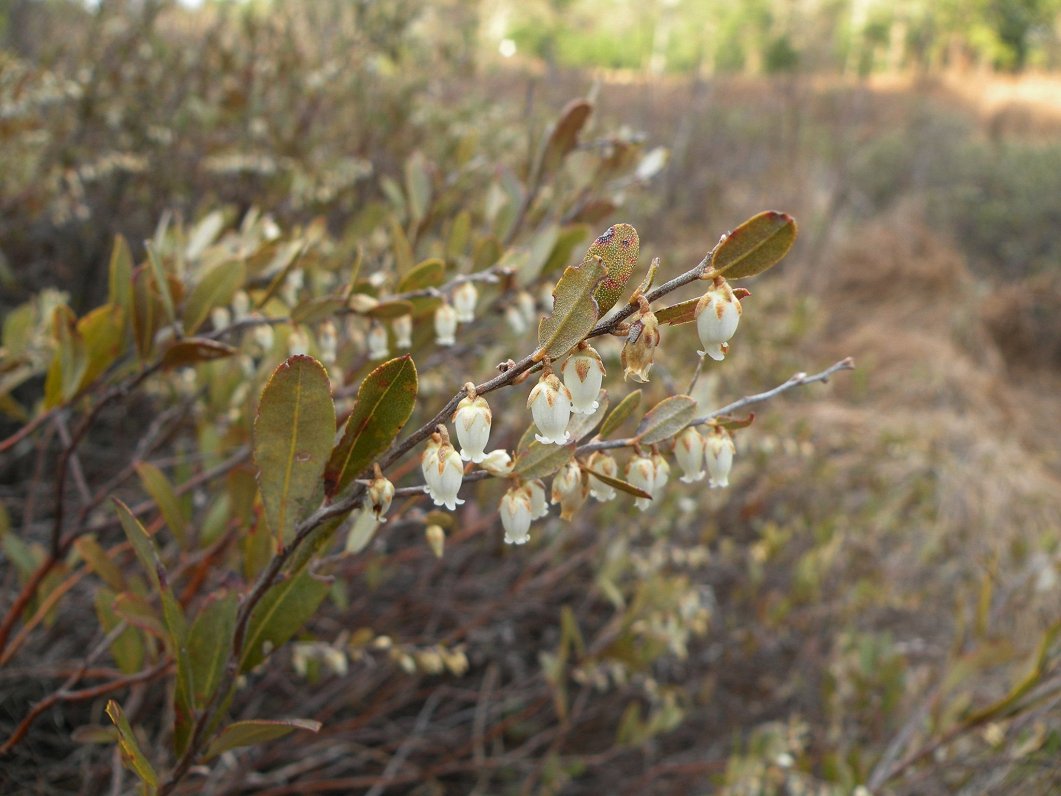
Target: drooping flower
327, 342
436, 539
497, 463
380, 495
472, 422
569, 490
641, 344
717, 315
527, 307
447, 477
241, 305
583, 375
403, 331
662, 469
445, 325
293, 284
641, 473
605, 465
515, 320
220, 318
429, 463
516, 515
539, 502
689, 451
550, 405
719, 454
361, 530
378, 347
264, 336
465, 295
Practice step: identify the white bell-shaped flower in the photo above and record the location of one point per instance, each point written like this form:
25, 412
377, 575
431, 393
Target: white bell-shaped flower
689, 451
380, 496
717, 314
515, 320
241, 305
641, 473
429, 464
527, 307
436, 539
264, 336
604, 464
516, 515
448, 477
472, 422
293, 284
297, 342
546, 296
583, 375
327, 341
550, 405
719, 454
403, 331
445, 325
378, 347
361, 530
569, 490
539, 501
465, 295
662, 474
497, 463
220, 318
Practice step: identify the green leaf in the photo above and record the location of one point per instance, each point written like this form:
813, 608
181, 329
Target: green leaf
120, 278
99, 562
208, 644
204, 233
563, 136
293, 434
404, 259
127, 649
147, 311
158, 487
581, 425
138, 612
256, 731
539, 461
756, 245
215, 289
192, 350
459, 233
624, 409
541, 246
389, 310
675, 314
570, 238
103, 331
575, 311
618, 483
429, 273
282, 611
132, 756
385, 400
141, 542
317, 308
70, 363
618, 248
418, 187
666, 419
158, 274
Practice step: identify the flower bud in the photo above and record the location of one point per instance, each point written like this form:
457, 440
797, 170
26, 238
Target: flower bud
445, 325
448, 476
719, 455
472, 422
516, 515
436, 539
297, 342
662, 468
327, 341
689, 451
539, 502
241, 305
403, 331
220, 318
641, 473
380, 495
583, 375
604, 464
550, 405
361, 531
641, 344
377, 342
497, 463
464, 297
569, 490
717, 315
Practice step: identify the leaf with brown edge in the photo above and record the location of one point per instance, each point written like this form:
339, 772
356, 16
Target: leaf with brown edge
539, 461
256, 731
666, 419
675, 314
575, 311
731, 423
620, 413
618, 248
385, 400
753, 247
132, 755
563, 136
429, 273
191, 350
618, 483
293, 434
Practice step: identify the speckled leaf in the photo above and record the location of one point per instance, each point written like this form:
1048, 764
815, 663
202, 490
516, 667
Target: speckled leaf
539, 461
132, 756
666, 419
618, 248
756, 245
384, 403
675, 314
620, 413
618, 483
564, 136
429, 273
575, 311
282, 611
293, 434
256, 731
191, 350
215, 289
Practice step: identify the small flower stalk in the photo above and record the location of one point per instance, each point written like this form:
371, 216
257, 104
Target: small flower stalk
516, 515
378, 347
570, 490
443, 470
642, 473
719, 454
717, 315
605, 465
465, 296
689, 451
472, 421
641, 344
550, 406
402, 326
583, 374
446, 325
